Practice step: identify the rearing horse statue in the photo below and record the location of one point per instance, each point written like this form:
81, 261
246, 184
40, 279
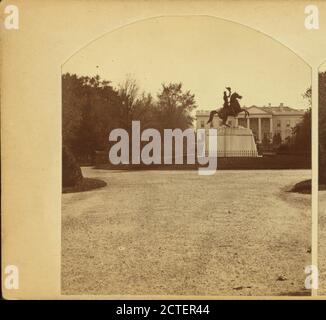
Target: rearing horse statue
233, 109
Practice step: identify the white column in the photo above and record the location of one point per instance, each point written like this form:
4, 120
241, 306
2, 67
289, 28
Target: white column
248, 123
236, 122
271, 129
259, 130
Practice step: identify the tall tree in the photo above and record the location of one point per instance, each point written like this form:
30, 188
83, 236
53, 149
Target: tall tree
90, 108
322, 127
174, 107
72, 101
301, 139
134, 105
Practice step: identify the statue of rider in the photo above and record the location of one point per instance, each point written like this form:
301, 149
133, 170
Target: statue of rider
226, 97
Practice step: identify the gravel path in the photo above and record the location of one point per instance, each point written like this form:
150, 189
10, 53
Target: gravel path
322, 243
178, 233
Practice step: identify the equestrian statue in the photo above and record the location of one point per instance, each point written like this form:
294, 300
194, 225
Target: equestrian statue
231, 107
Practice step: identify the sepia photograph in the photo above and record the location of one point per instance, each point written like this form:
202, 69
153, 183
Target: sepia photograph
186, 162
163, 155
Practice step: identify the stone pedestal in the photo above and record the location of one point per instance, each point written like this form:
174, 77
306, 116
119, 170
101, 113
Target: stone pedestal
234, 142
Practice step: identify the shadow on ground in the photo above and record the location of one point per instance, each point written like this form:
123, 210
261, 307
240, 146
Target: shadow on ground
87, 184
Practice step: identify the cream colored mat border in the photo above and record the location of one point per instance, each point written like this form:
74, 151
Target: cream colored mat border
50, 32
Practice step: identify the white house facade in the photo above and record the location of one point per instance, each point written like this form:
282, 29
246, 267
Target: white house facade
265, 122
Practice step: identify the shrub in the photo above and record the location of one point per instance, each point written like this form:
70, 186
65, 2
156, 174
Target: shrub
71, 172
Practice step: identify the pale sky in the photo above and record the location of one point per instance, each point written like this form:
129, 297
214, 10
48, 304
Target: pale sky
205, 54
322, 68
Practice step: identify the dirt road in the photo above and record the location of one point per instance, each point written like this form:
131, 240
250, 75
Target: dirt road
322, 243
178, 233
